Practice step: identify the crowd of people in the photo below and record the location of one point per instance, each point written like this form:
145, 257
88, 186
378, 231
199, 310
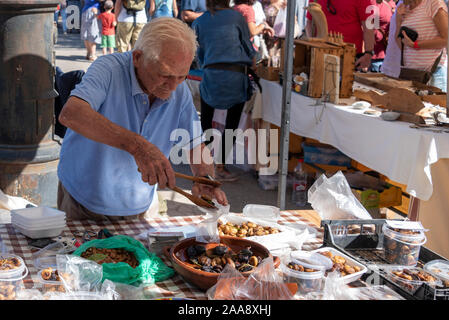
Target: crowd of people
375, 27
123, 110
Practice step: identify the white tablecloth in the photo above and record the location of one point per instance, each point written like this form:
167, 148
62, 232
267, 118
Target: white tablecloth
393, 148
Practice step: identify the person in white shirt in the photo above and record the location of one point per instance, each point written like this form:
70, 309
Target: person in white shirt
129, 25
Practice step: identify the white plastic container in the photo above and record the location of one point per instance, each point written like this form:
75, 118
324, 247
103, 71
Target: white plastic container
350, 277
21, 220
11, 280
39, 226
402, 249
38, 214
307, 281
40, 233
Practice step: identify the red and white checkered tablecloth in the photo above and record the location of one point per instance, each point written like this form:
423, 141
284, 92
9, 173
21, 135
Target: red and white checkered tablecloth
174, 287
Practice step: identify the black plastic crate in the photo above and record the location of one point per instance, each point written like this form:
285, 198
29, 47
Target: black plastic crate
362, 240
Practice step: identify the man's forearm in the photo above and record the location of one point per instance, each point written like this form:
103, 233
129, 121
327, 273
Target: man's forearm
117, 8
190, 16
78, 115
368, 38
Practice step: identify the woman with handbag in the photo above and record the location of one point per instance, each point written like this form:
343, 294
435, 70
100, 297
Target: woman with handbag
226, 55
422, 30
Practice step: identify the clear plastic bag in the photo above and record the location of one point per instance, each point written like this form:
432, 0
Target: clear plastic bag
280, 24
79, 274
264, 283
333, 199
206, 231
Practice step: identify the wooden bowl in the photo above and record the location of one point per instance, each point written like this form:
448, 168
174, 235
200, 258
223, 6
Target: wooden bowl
202, 279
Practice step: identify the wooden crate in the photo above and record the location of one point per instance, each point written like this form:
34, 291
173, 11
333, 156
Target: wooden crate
309, 56
268, 73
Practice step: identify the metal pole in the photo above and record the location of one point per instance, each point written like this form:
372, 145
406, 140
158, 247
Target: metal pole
286, 98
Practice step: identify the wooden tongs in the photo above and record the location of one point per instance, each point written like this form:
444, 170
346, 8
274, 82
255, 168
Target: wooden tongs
199, 201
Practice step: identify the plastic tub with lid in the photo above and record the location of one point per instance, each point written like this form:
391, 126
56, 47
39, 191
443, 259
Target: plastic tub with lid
312, 258
410, 285
402, 248
50, 285
348, 278
439, 268
12, 271
307, 281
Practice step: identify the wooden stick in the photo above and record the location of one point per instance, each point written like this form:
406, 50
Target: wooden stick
198, 201
202, 180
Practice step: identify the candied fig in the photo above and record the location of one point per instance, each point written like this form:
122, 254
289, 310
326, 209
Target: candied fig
200, 249
220, 250
191, 252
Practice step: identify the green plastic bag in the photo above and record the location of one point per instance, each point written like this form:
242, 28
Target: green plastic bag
151, 269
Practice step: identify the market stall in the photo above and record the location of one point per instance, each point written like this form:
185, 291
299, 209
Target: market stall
174, 287
363, 259
395, 149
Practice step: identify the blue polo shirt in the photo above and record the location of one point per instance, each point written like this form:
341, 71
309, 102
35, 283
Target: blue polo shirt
223, 38
105, 179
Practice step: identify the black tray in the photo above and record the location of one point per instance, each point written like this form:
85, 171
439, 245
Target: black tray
362, 240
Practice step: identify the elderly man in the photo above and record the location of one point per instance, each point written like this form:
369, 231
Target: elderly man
120, 119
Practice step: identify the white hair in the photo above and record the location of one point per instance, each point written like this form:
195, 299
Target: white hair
165, 30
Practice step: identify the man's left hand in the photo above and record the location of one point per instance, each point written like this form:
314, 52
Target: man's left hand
363, 63
199, 190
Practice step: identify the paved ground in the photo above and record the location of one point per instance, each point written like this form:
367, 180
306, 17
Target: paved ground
70, 55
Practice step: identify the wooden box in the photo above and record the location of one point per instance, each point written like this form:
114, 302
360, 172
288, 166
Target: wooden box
309, 57
267, 73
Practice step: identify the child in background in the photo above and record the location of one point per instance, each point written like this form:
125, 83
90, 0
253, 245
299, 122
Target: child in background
108, 24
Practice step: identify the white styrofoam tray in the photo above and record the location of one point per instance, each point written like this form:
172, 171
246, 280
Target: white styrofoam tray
38, 224
40, 227
38, 214
350, 277
38, 234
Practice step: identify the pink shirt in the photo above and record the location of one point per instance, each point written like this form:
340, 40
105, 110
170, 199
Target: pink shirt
247, 12
385, 14
420, 19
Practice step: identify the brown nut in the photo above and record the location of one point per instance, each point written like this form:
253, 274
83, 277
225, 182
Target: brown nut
230, 262
46, 273
253, 261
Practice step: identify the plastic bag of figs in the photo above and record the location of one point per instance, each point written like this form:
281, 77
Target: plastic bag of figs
333, 199
207, 231
264, 283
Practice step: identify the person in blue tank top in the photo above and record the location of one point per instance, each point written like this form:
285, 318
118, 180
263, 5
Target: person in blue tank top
163, 8
225, 53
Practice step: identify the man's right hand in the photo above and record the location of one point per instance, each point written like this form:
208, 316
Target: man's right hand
153, 165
